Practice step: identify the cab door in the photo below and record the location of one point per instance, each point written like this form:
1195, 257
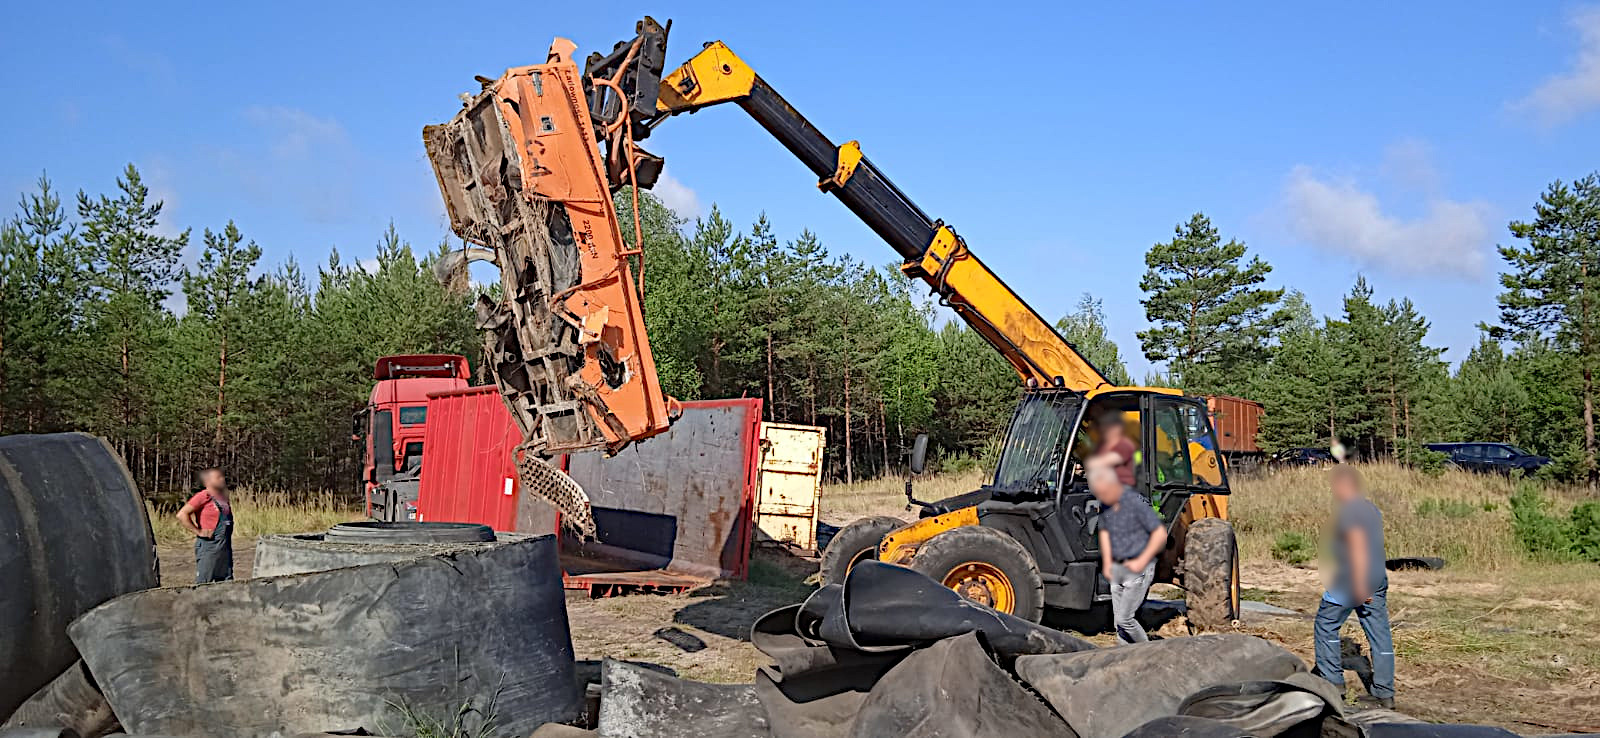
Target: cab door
1167, 467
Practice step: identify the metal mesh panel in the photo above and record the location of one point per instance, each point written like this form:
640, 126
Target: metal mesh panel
538, 477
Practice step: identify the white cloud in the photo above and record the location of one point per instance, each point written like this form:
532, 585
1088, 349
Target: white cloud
1565, 96
294, 132
369, 266
677, 197
1409, 163
1336, 215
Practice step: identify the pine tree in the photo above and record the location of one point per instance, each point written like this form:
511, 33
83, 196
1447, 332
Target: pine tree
1488, 402
42, 288
1552, 286
1213, 324
219, 292
132, 268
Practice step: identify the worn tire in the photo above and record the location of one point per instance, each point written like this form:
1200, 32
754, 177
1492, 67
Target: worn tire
1210, 575
855, 543
974, 550
373, 531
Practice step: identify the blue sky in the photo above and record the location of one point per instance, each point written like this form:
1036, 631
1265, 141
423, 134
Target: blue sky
1334, 139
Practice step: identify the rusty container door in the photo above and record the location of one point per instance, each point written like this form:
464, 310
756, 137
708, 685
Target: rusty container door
791, 482
674, 510
1236, 420
467, 472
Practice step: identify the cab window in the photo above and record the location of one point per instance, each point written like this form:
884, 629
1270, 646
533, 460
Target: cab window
416, 415
1203, 456
1170, 446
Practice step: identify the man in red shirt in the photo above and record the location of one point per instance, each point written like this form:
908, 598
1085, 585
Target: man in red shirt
1116, 447
209, 516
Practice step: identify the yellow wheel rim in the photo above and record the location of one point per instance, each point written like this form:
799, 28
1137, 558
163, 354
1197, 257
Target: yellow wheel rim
984, 584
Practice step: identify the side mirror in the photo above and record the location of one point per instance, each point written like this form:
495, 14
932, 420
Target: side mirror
919, 453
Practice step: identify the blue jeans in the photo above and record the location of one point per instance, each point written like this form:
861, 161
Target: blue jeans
1375, 621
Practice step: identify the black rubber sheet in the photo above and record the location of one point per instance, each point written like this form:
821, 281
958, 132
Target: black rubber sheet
341, 649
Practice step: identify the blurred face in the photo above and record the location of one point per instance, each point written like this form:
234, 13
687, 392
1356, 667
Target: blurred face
1104, 485
1345, 490
213, 480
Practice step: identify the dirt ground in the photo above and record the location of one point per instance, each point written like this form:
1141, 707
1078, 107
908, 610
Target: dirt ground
177, 562
1517, 650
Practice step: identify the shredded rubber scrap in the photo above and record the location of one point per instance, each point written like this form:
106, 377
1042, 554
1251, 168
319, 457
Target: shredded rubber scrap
892, 653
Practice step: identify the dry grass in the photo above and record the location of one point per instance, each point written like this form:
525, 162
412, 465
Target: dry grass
1463, 517
842, 503
258, 513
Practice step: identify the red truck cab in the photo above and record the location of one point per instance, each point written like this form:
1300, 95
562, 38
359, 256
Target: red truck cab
393, 422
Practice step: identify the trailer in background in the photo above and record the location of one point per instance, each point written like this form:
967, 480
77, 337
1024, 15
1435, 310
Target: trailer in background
1237, 421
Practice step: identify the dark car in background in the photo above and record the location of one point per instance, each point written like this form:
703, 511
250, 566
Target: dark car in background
1502, 458
1302, 457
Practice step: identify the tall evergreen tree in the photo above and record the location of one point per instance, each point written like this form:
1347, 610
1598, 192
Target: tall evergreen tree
219, 293
1552, 285
1212, 322
132, 268
42, 285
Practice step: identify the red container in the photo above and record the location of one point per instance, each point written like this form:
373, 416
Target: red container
467, 471
1237, 421
672, 512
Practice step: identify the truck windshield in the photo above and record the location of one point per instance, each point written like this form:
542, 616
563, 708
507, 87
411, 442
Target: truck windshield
1037, 439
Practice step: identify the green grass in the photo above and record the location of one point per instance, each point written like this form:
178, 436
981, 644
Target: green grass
1456, 515
1294, 547
1436, 508
468, 721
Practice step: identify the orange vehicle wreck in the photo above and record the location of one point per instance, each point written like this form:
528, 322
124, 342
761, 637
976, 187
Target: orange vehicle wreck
525, 183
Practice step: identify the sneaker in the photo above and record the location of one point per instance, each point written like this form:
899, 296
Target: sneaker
1369, 701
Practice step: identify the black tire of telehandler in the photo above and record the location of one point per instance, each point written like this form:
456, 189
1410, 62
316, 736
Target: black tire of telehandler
855, 543
373, 531
974, 543
1210, 572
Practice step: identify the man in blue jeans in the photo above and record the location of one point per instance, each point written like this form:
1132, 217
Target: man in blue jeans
1360, 585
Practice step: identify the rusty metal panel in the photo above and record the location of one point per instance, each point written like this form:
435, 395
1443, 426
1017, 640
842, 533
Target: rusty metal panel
791, 482
1236, 420
681, 503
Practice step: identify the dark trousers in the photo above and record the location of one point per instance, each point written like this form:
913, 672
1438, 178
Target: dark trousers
1375, 621
213, 557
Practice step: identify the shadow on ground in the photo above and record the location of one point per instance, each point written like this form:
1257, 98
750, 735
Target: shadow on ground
777, 579
1153, 614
